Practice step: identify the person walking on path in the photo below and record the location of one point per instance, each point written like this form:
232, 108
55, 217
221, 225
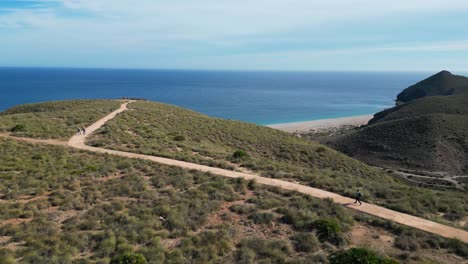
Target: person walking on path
84, 130
78, 131
358, 197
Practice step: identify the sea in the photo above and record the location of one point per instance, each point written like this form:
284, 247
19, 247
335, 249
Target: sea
261, 97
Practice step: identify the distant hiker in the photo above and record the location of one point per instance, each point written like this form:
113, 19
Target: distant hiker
78, 131
358, 197
84, 131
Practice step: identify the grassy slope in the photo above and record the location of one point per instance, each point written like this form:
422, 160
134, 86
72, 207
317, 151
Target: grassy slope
57, 120
449, 105
435, 126
89, 208
151, 128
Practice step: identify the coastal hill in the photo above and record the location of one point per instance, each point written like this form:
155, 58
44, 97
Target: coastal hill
169, 131
100, 208
442, 83
427, 133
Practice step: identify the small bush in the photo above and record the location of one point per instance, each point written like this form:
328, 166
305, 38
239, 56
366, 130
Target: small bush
243, 208
406, 243
262, 218
18, 128
328, 230
299, 220
240, 154
359, 256
276, 251
179, 138
305, 242
252, 185
458, 247
130, 258
7, 256
245, 256
320, 150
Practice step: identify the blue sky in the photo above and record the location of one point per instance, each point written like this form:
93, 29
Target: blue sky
398, 35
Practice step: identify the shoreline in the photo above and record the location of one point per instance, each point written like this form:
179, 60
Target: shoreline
322, 124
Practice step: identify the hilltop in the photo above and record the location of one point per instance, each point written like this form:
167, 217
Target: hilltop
440, 84
425, 134
54, 120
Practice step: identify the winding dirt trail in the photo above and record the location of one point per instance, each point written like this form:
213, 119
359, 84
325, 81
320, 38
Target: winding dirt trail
78, 141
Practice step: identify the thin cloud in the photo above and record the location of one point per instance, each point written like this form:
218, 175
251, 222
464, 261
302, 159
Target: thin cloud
196, 30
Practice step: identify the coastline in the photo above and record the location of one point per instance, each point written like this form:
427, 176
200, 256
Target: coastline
322, 124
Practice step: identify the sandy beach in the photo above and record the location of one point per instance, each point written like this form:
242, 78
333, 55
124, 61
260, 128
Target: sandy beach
300, 127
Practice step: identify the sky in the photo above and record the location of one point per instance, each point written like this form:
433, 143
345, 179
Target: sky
332, 35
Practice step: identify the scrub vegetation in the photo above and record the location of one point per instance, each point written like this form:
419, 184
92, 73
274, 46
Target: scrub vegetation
54, 120
61, 205
151, 128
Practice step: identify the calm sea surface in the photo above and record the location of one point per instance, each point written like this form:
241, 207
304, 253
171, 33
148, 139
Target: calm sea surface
257, 97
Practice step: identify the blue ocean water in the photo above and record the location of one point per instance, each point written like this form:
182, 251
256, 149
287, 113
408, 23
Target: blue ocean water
257, 97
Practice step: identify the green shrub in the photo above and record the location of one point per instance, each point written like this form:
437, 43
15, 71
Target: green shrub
252, 185
300, 220
245, 255
6, 256
240, 154
305, 242
320, 150
179, 138
359, 256
129, 258
271, 251
407, 243
263, 218
458, 247
18, 128
243, 208
328, 230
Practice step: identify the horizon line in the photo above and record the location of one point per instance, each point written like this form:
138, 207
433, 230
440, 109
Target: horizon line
230, 70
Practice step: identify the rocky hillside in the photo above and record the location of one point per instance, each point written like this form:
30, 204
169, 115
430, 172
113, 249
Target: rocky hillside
428, 132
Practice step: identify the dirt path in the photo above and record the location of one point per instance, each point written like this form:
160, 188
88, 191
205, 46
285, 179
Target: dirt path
78, 141
35, 140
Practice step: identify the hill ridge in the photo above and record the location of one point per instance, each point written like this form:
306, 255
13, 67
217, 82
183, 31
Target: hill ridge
442, 83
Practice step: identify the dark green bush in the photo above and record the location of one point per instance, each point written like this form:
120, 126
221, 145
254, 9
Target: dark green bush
458, 247
359, 256
305, 242
328, 230
252, 184
300, 220
240, 154
129, 258
179, 138
18, 128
